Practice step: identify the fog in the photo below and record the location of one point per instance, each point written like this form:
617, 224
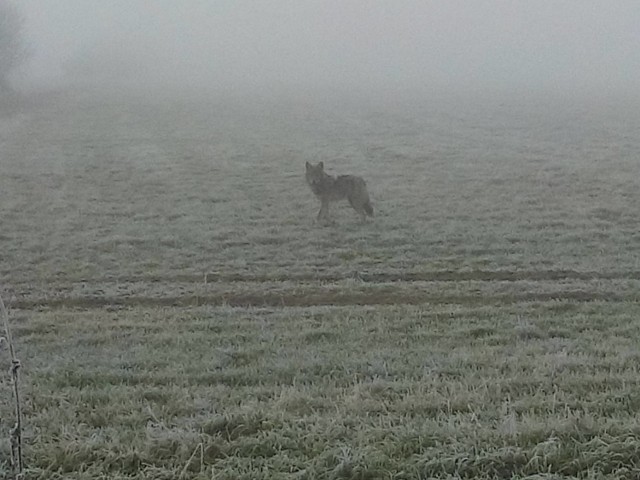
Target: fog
356, 45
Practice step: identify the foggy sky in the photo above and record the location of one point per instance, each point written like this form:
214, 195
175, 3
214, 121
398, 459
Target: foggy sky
565, 45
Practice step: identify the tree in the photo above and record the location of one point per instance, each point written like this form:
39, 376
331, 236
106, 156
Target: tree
12, 48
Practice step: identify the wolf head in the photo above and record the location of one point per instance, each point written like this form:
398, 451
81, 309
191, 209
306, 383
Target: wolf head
315, 174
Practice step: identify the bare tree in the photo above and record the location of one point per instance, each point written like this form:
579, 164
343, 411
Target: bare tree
13, 51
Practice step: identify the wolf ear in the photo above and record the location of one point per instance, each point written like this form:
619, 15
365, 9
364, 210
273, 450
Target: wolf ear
321, 165
308, 165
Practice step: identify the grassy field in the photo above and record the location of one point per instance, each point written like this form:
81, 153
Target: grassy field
179, 314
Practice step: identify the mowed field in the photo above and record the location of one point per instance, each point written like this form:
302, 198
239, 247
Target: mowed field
179, 314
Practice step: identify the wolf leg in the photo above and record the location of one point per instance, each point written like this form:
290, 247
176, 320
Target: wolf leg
358, 207
324, 210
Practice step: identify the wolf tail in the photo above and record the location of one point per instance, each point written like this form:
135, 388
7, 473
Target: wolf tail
368, 208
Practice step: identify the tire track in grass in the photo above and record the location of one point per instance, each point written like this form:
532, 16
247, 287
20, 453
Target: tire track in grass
266, 299
256, 290
370, 277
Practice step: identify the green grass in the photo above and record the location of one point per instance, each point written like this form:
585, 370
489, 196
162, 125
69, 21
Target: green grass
178, 314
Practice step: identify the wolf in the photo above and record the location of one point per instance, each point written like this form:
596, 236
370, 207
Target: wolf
329, 188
